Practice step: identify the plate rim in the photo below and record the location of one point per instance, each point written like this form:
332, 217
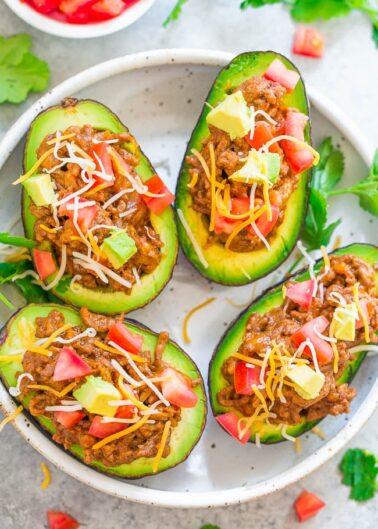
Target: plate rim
128, 490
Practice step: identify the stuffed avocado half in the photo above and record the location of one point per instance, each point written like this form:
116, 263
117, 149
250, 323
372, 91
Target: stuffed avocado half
118, 396
243, 186
101, 217
287, 360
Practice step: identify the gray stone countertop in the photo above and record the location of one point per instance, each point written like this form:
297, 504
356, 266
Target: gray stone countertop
348, 74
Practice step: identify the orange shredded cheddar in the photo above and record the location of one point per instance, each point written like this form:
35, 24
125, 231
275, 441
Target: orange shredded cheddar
189, 315
113, 350
11, 417
47, 476
33, 169
120, 434
163, 442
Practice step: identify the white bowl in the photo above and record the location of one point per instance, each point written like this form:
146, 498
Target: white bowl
165, 91
78, 31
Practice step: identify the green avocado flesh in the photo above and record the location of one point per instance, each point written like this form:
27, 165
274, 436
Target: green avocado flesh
184, 436
225, 266
101, 300
233, 338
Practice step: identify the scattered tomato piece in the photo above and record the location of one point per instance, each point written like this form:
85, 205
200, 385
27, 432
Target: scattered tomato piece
307, 505
61, 520
308, 41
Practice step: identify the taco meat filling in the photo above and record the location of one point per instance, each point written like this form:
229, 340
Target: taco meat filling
127, 402
100, 207
244, 175
318, 332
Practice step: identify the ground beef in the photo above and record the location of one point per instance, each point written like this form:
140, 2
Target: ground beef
142, 443
136, 222
229, 155
280, 323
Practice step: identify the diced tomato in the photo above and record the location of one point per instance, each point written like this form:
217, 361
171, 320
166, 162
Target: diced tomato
279, 73
309, 42
264, 225
229, 421
106, 9
69, 418
223, 224
300, 158
323, 350
301, 293
307, 505
365, 310
158, 204
239, 205
177, 389
100, 153
70, 365
125, 412
61, 520
245, 377
73, 7
45, 6
121, 335
101, 429
263, 133
85, 216
44, 263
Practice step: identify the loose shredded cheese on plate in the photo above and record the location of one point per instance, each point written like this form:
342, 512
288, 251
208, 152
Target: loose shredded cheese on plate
189, 315
46, 476
162, 445
11, 417
317, 431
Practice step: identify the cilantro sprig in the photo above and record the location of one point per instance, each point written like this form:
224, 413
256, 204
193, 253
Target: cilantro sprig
175, 13
360, 471
21, 72
30, 291
366, 189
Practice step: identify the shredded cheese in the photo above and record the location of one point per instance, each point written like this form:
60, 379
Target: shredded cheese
162, 445
58, 394
130, 396
247, 359
276, 139
205, 167
193, 180
114, 198
192, 239
189, 315
11, 417
75, 407
285, 435
337, 243
33, 169
317, 431
113, 350
47, 229
121, 434
357, 349
61, 138
46, 476
117, 366
362, 314
16, 391
44, 343
243, 225
298, 446
11, 358
267, 201
212, 183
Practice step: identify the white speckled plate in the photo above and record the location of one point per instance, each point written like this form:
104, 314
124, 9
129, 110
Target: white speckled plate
159, 95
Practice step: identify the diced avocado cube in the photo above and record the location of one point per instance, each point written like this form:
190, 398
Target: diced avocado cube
308, 382
119, 247
232, 115
259, 167
344, 321
94, 395
40, 189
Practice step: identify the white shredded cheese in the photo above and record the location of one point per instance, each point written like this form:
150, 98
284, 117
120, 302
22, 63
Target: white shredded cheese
60, 273
118, 403
102, 269
311, 264
136, 275
253, 224
75, 407
323, 337
192, 239
364, 347
16, 391
109, 142
284, 427
116, 197
310, 345
117, 366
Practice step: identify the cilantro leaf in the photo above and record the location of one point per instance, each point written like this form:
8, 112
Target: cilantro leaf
375, 34
330, 168
32, 293
366, 189
316, 233
20, 71
360, 470
258, 3
175, 13
210, 526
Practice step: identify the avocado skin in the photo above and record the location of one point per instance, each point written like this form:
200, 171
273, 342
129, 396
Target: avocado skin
87, 111
226, 267
215, 379
189, 430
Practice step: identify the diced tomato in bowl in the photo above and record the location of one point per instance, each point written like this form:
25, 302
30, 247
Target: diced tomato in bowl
45, 6
106, 9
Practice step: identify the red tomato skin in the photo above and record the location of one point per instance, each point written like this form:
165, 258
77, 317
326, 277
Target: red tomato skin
75, 7
365, 310
264, 225
263, 134
309, 42
323, 350
223, 224
44, 6
69, 418
307, 505
158, 204
44, 263
279, 73
177, 389
70, 365
229, 421
299, 158
100, 150
125, 412
246, 377
85, 216
61, 520
301, 293
104, 429
106, 9
121, 335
